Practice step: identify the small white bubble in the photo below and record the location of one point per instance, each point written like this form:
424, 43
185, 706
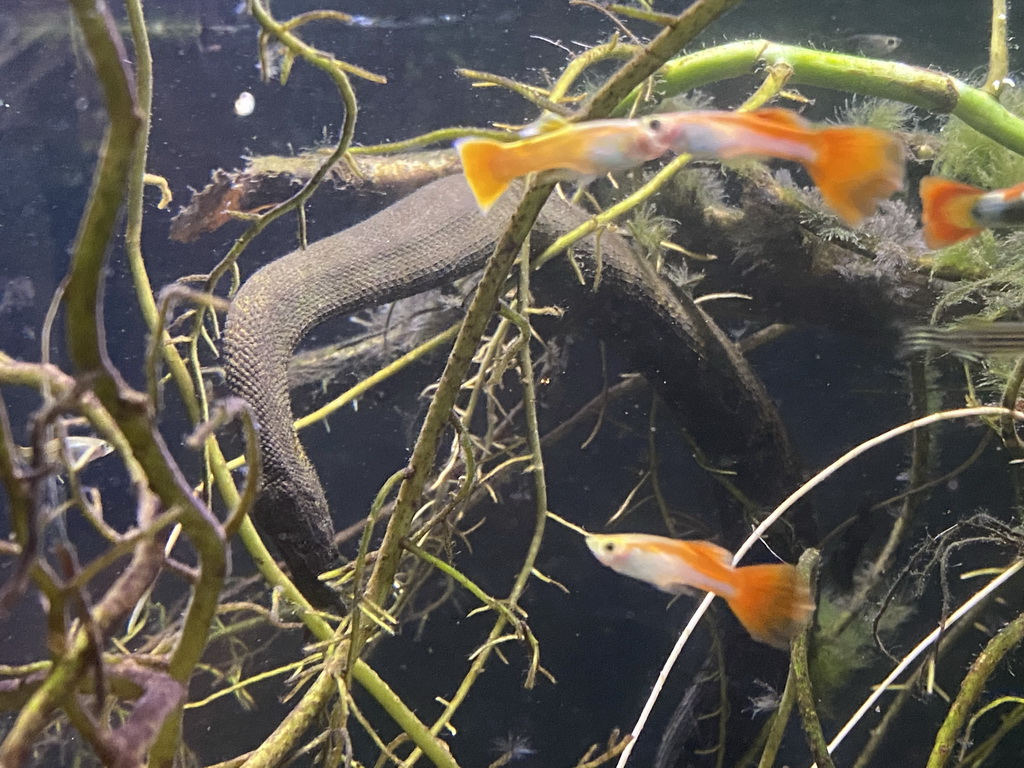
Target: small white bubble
245, 104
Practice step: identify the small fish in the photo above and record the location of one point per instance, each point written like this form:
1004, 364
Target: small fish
82, 449
588, 150
772, 602
876, 46
972, 339
853, 166
952, 211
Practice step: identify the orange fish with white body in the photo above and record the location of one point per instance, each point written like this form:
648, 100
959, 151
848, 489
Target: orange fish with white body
853, 166
772, 602
953, 211
587, 150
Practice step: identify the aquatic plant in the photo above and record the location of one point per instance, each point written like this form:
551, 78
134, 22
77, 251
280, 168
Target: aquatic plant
135, 681
968, 155
883, 114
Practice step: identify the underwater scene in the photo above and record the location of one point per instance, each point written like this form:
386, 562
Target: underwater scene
546, 383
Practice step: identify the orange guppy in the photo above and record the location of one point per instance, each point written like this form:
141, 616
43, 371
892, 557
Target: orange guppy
587, 150
952, 211
854, 167
772, 602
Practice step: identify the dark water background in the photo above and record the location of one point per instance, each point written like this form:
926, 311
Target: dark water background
604, 641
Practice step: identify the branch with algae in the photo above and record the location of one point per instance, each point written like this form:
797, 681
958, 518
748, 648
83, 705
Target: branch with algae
485, 300
971, 687
334, 69
337, 71
87, 349
778, 723
531, 93
802, 677
284, 739
141, 447
510, 606
678, 33
129, 409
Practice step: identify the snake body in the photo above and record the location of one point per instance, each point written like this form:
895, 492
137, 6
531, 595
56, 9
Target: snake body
426, 240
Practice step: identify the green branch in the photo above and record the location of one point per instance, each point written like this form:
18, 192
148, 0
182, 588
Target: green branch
934, 91
131, 411
971, 687
802, 677
998, 56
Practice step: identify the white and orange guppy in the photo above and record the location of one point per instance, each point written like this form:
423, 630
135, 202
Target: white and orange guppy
587, 150
854, 167
772, 602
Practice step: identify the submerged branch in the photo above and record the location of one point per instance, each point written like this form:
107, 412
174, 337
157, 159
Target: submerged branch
998, 57
805, 699
972, 687
932, 90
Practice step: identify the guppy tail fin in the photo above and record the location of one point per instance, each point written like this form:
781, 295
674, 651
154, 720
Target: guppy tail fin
772, 602
946, 211
482, 163
855, 168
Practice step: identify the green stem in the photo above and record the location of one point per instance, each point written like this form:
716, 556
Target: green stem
981, 752
779, 722
921, 87
998, 58
475, 323
87, 349
96, 227
273, 750
802, 677
362, 673
521, 320
1007, 428
972, 686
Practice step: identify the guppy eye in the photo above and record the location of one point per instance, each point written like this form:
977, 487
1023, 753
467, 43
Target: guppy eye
608, 547
654, 125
